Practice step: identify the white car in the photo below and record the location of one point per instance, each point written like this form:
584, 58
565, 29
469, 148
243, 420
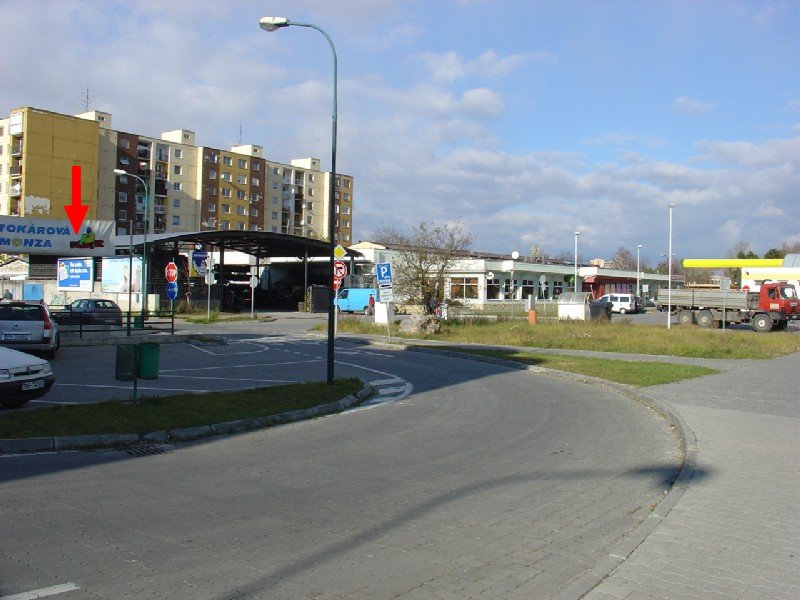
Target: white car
621, 303
23, 377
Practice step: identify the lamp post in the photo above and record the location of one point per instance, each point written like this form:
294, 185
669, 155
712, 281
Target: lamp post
273, 24
638, 272
669, 259
575, 280
511, 287
120, 173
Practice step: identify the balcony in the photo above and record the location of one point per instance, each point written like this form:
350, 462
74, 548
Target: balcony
159, 209
15, 171
16, 150
160, 188
15, 191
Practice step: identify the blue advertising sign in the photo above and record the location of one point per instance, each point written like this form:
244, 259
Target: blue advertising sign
75, 274
172, 290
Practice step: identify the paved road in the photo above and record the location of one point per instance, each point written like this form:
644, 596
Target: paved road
484, 482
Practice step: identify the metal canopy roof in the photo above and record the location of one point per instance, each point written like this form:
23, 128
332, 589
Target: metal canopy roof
260, 244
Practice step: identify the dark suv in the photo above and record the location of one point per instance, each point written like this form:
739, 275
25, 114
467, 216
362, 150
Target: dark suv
28, 326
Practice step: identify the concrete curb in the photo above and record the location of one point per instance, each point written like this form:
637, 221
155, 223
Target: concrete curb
619, 552
153, 338
91, 442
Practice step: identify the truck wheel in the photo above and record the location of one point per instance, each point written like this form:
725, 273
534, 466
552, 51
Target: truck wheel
686, 317
705, 319
762, 322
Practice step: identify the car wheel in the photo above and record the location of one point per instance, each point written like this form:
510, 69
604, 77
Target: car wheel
622, 311
705, 319
762, 322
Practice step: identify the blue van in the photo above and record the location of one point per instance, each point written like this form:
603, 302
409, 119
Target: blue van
357, 300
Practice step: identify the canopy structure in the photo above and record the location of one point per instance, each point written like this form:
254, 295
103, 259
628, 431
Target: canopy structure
260, 244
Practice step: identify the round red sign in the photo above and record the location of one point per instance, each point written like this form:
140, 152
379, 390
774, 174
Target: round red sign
171, 272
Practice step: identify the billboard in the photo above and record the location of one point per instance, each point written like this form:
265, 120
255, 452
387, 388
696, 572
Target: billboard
119, 274
75, 274
21, 235
198, 267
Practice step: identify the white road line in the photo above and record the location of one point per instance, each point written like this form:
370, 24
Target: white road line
128, 388
233, 378
43, 592
260, 349
386, 381
275, 364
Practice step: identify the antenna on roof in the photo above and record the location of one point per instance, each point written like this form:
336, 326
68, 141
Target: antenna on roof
241, 131
86, 97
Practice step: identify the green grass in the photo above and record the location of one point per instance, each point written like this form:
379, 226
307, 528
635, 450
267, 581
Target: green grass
619, 336
218, 318
638, 374
172, 412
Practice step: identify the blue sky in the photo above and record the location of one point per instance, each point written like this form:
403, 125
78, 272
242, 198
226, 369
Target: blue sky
526, 120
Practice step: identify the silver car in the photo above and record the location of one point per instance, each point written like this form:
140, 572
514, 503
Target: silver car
28, 326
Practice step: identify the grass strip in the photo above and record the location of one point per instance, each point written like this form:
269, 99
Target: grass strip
172, 412
635, 373
618, 336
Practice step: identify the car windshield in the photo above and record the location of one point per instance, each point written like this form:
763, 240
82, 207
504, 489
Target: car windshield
20, 313
789, 292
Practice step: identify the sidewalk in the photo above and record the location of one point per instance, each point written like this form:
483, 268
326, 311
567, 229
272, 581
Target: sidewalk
735, 532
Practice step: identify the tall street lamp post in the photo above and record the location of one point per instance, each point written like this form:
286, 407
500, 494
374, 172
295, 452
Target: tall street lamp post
638, 271
120, 173
575, 280
273, 24
669, 259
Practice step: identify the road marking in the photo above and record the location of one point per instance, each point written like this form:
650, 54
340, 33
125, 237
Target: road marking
125, 387
234, 378
43, 592
209, 368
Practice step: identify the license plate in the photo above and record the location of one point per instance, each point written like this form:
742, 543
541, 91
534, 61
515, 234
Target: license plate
16, 336
33, 385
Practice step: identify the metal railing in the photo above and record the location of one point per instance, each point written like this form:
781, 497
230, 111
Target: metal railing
87, 322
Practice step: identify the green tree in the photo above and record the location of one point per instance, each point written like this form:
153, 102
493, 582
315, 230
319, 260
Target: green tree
773, 253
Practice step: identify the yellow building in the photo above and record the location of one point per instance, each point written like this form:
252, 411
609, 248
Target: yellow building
44, 146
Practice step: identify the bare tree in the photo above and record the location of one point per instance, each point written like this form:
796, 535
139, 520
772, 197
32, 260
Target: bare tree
427, 254
624, 260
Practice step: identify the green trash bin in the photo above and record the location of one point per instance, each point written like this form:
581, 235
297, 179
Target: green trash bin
127, 362
148, 360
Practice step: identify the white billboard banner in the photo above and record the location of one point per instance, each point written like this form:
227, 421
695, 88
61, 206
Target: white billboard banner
20, 235
122, 274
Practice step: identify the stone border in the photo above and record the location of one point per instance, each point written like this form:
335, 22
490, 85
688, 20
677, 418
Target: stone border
91, 442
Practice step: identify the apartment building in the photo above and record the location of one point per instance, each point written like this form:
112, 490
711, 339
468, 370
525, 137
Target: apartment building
181, 186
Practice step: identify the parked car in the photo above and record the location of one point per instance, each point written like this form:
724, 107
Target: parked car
355, 300
28, 326
23, 377
90, 311
622, 303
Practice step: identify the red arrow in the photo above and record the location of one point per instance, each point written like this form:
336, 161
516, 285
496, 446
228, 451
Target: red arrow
76, 211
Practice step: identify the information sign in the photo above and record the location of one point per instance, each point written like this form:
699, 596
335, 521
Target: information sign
75, 274
171, 272
339, 270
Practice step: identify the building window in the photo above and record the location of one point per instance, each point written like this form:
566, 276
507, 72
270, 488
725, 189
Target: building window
492, 289
176, 220
176, 186
274, 186
255, 182
346, 224
212, 174
274, 215
241, 211
122, 197
178, 153
227, 161
177, 169
125, 144
239, 225
213, 158
176, 203
242, 163
464, 288
254, 212
241, 179
224, 225
212, 207
124, 161
122, 215
312, 191
308, 220
276, 171
226, 176
225, 192
309, 206
240, 195
558, 289
346, 210
256, 166
212, 191
225, 208
345, 237
274, 200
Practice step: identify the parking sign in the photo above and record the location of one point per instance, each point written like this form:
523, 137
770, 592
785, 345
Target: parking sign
383, 273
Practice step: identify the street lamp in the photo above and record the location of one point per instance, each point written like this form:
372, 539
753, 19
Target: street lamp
638, 272
273, 24
575, 281
669, 259
120, 173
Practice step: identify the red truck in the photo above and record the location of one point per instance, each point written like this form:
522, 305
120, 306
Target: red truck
769, 309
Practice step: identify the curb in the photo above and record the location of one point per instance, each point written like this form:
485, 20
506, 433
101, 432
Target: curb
155, 338
91, 442
622, 549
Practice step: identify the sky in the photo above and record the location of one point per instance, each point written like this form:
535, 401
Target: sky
524, 120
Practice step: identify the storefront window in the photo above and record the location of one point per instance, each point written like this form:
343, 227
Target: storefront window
492, 289
464, 288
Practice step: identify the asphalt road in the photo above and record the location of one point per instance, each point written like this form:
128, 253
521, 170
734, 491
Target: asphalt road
470, 480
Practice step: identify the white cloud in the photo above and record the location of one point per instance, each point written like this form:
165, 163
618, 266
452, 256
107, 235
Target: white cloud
448, 67
692, 107
481, 102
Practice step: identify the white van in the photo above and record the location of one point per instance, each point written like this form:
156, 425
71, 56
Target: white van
620, 303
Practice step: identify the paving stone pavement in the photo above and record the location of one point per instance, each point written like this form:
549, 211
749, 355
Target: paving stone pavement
735, 532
